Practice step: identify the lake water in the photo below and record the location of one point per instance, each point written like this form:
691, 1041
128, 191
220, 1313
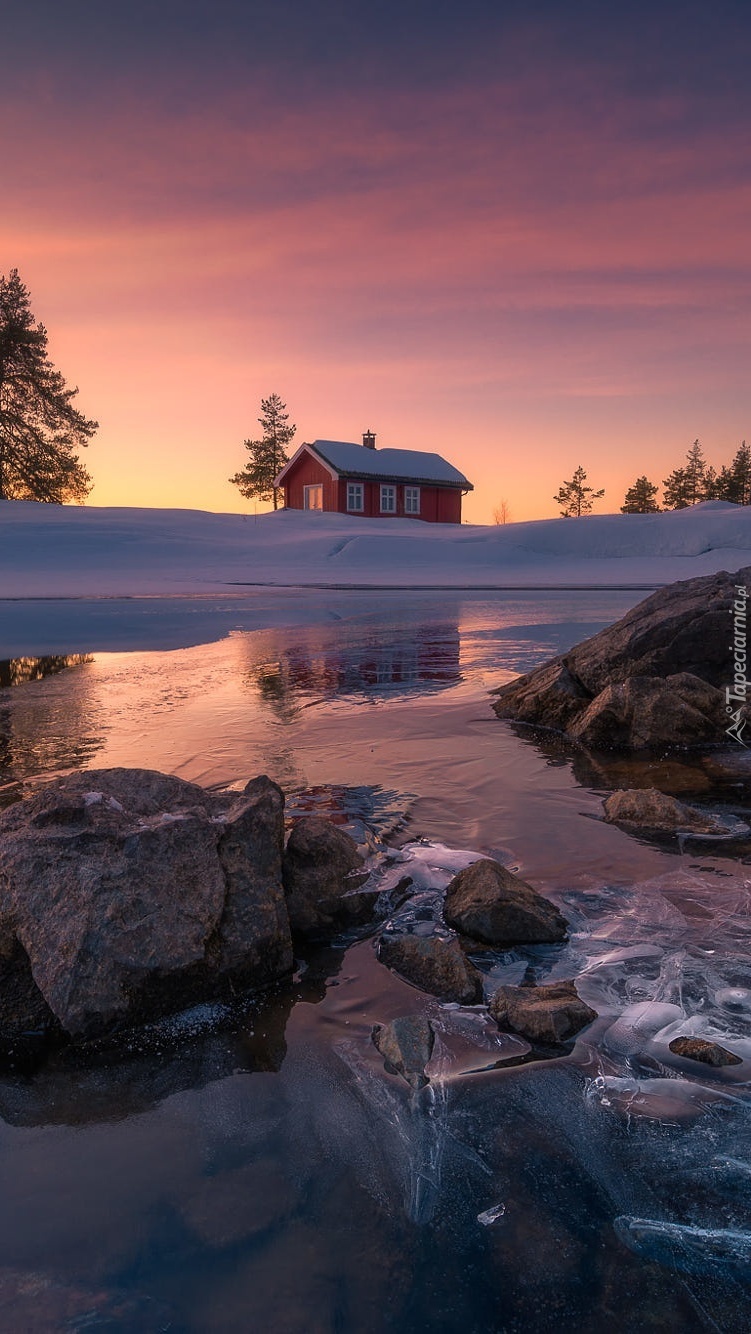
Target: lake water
255, 1168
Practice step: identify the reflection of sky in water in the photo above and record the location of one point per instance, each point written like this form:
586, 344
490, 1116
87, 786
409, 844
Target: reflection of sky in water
219, 711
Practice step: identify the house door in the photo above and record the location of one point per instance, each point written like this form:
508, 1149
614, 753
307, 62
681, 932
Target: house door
313, 497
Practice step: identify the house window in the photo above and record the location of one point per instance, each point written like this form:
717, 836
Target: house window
313, 497
388, 500
355, 497
411, 500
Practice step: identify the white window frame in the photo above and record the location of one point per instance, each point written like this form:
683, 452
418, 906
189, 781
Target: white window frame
355, 498
388, 499
314, 509
411, 500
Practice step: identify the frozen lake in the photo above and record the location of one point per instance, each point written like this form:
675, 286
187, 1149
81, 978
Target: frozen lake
256, 1168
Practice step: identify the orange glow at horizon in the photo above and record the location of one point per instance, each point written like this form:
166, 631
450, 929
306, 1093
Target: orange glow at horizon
522, 291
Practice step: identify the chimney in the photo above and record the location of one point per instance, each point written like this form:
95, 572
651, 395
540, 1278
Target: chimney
368, 440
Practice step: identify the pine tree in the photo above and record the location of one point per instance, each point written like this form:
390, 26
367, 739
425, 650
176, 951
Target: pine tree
39, 427
740, 476
640, 498
695, 471
711, 484
689, 484
267, 455
725, 484
574, 497
676, 490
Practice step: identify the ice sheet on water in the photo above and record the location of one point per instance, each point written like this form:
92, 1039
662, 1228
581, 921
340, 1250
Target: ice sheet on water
490, 1216
666, 1100
735, 999
409, 1127
637, 1024
680, 1246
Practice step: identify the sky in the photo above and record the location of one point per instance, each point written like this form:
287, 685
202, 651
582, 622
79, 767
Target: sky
513, 233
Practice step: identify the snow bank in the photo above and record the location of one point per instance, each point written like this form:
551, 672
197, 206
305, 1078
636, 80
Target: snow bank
70, 551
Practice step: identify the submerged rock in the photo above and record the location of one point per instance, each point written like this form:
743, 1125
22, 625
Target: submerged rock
655, 678
406, 1045
646, 808
549, 1014
129, 892
434, 964
699, 1049
490, 904
322, 872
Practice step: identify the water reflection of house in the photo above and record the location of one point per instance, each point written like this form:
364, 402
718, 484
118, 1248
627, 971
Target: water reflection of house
427, 660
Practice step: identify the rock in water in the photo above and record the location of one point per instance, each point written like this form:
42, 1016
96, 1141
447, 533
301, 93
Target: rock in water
130, 891
490, 904
646, 711
655, 678
549, 1014
646, 808
406, 1045
699, 1049
321, 869
437, 966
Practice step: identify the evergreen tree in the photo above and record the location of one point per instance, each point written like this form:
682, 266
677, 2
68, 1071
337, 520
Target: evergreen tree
676, 490
267, 455
574, 497
691, 483
711, 484
695, 471
740, 476
39, 427
640, 498
725, 484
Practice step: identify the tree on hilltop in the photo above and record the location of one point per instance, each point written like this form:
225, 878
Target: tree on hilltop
575, 498
696, 473
267, 455
640, 498
40, 429
676, 490
689, 484
734, 483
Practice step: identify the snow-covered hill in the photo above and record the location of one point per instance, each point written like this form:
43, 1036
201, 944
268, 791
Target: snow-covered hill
69, 551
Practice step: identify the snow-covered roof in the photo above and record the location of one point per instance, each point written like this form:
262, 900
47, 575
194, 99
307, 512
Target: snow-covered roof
402, 465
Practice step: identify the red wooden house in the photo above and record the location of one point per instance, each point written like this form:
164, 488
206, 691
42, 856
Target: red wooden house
343, 478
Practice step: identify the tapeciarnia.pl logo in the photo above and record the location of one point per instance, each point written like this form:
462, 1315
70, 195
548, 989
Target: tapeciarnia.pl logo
736, 694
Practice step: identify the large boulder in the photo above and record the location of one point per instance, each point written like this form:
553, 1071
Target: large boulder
646, 711
128, 891
655, 678
253, 932
548, 1015
434, 964
322, 874
490, 904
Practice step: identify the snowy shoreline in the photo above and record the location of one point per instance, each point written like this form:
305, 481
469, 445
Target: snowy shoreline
52, 551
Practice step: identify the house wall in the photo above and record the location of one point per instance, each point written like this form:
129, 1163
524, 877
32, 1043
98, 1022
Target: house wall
309, 472
438, 504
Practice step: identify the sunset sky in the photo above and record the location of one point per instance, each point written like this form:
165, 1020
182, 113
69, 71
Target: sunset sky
516, 233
